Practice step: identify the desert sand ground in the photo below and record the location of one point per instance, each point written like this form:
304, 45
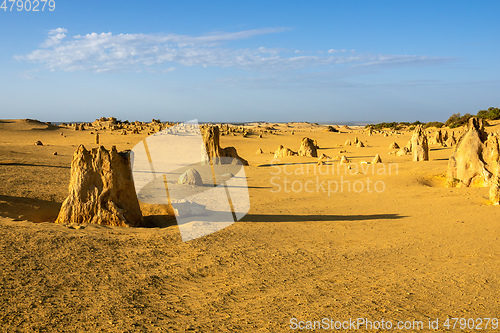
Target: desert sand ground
414, 251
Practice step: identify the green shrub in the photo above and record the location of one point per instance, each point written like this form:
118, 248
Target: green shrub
456, 120
436, 124
492, 113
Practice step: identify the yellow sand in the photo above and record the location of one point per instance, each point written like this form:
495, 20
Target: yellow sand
414, 251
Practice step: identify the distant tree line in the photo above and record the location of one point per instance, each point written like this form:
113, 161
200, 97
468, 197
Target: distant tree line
455, 120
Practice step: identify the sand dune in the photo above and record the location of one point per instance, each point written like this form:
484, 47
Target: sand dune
412, 251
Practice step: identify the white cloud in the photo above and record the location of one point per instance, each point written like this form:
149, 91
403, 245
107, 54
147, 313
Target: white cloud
103, 52
55, 37
336, 51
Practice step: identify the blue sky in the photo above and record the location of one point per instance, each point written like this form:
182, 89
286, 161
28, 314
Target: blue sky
319, 61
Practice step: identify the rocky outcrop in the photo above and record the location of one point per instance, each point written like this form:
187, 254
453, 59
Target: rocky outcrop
101, 189
466, 166
451, 141
308, 148
402, 152
330, 129
213, 151
394, 145
377, 159
437, 138
344, 159
419, 145
283, 152
475, 160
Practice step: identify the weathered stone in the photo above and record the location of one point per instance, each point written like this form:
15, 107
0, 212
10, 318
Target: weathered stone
213, 151
437, 138
101, 189
377, 159
190, 177
419, 145
451, 141
307, 148
330, 129
283, 152
402, 152
475, 160
394, 145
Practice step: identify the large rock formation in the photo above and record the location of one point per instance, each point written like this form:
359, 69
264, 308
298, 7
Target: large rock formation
308, 148
475, 161
101, 189
213, 151
419, 145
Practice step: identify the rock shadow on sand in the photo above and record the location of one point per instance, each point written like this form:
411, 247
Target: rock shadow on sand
35, 210
33, 165
317, 218
165, 221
